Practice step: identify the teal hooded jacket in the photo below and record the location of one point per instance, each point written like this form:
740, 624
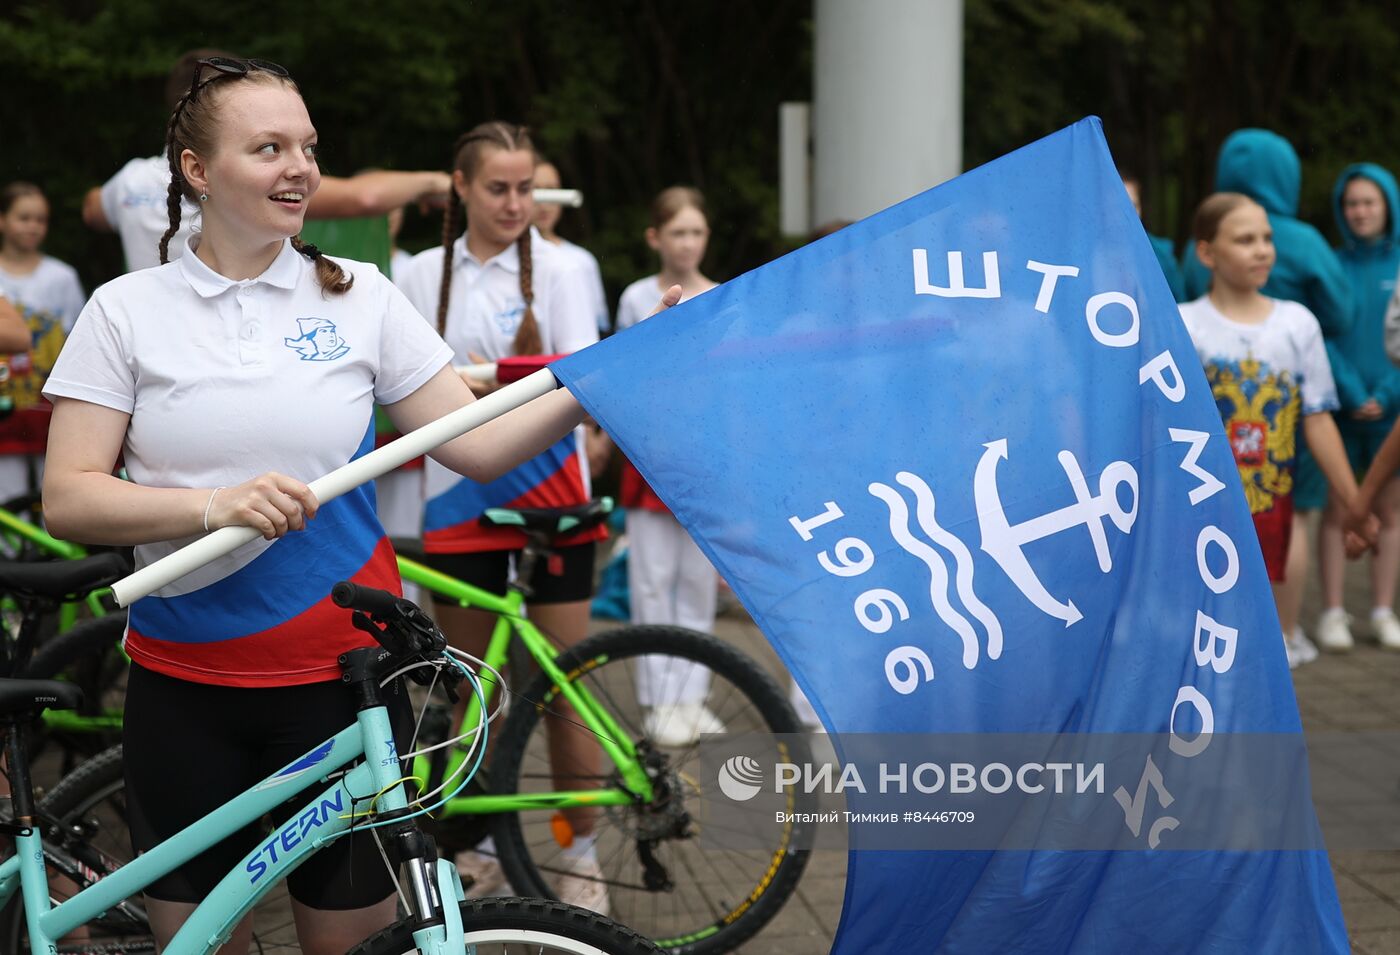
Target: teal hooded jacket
1359, 362
1264, 166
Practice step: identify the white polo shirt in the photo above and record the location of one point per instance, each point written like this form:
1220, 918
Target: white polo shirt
134, 203
585, 261
484, 312
226, 380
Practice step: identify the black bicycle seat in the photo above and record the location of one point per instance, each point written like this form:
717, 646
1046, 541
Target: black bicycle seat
57, 579
35, 696
550, 520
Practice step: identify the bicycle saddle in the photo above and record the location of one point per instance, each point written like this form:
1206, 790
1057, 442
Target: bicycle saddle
34, 696
57, 579
550, 520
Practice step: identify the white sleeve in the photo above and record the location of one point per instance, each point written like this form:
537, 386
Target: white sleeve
73, 299
571, 323
112, 197
627, 312
600, 298
1319, 391
95, 364
422, 284
410, 351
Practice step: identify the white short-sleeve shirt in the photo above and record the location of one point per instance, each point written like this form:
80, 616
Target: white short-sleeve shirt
134, 202
227, 380
584, 260
51, 290
485, 308
638, 300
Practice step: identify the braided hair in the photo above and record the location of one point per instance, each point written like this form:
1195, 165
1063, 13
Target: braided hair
193, 126
466, 158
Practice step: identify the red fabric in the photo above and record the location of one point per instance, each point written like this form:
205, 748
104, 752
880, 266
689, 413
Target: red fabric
636, 492
26, 430
518, 366
1275, 529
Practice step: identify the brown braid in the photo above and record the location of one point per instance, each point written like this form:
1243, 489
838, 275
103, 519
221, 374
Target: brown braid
177, 178
451, 225
330, 276
527, 336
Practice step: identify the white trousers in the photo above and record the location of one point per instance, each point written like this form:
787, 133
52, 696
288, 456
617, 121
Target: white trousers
671, 582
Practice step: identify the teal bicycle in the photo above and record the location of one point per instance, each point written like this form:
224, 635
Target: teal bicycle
370, 798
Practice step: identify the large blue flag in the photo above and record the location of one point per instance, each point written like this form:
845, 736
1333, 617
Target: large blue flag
961, 464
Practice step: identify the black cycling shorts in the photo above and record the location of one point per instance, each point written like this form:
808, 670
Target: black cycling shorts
190, 747
489, 570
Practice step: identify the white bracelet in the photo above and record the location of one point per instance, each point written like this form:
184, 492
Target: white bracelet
210, 503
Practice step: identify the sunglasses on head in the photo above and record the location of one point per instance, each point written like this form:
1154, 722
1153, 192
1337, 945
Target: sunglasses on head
232, 66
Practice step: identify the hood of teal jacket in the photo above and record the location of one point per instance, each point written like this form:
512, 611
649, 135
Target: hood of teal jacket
1263, 166
1382, 178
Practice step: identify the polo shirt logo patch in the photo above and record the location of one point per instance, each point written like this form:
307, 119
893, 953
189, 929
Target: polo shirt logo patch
509, 320
318, 341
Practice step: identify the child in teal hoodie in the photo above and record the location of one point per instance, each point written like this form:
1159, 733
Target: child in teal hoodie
1365, 202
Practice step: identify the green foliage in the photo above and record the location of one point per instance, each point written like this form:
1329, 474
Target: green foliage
1172, 80
626, 97
630, 96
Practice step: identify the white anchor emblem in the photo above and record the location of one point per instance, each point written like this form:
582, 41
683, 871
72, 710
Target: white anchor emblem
1004, 541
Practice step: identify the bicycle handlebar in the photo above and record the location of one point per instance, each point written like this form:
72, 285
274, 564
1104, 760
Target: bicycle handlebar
225, 540
375, 602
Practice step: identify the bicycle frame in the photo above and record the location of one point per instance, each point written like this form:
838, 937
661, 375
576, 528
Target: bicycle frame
511, 623
376, 781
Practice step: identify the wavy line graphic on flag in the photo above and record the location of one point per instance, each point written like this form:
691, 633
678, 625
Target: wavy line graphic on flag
938, 569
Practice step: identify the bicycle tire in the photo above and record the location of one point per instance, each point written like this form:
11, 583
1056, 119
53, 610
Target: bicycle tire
87, 797
501, 926
704, 910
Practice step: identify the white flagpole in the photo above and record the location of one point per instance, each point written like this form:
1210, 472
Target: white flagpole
191, 557
563, 197
485, 371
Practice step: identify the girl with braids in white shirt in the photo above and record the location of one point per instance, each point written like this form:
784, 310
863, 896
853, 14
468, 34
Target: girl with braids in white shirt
500, 290
227, 379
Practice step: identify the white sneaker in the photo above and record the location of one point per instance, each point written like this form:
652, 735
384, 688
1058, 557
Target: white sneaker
1292, 655
1334, 630
583, 884
482, 875
1305, 648
1386, 628
680, 724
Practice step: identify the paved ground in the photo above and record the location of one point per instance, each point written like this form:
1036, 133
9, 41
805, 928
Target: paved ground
1355, 692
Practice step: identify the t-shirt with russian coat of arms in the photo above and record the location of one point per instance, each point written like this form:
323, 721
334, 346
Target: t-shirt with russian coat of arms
227, 380
1264, 378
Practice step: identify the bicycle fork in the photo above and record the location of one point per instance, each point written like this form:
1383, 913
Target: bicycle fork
434, 889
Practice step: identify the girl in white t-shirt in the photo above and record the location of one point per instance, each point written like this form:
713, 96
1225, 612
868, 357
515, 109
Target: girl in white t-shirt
670, 580
40, 283
227, 379
1268, 370
49, 297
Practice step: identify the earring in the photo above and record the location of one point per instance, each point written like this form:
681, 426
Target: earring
204, 197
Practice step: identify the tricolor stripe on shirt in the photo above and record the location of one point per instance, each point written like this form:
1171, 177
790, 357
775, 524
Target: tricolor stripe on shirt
451, 520
272, 622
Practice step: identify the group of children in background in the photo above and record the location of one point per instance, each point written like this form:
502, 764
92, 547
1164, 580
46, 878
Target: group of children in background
1292, 337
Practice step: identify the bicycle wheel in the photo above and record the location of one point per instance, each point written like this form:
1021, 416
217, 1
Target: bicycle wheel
86, 842
520, 926
692, 896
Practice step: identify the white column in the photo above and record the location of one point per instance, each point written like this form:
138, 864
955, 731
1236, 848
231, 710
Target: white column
887, 113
